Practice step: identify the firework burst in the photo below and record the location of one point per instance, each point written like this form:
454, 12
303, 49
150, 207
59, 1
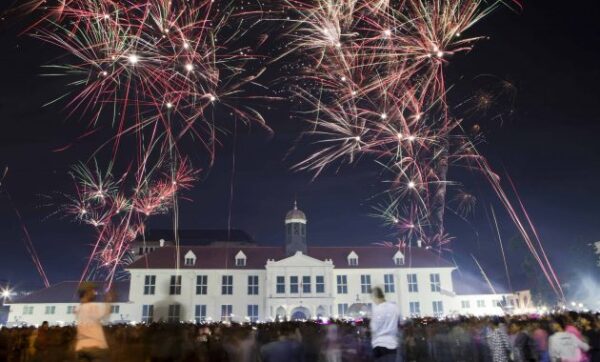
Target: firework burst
375, 85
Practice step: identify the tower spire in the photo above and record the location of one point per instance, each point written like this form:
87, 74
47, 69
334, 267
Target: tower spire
295, 231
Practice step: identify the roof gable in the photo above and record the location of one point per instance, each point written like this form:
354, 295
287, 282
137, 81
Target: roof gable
299, 260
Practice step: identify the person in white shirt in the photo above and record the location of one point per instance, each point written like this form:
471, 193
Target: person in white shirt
564, 346
91, 343
384, 327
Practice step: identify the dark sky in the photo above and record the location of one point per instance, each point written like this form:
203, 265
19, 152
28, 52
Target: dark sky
549, 146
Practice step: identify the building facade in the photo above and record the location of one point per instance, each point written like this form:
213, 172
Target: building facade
245, 282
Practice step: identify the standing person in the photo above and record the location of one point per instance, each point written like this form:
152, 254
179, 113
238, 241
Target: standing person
384, 327
564, 346
524, 347
498, 341
285, 348
541, 341
90, 342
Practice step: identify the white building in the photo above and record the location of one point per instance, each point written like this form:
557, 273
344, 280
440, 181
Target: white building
245, 282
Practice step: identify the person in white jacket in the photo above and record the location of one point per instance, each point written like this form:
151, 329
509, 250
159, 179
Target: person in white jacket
384, 327
564, 346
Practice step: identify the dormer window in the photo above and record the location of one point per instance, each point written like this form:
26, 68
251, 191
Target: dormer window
352, 259
189, 259
240, 259
399, 258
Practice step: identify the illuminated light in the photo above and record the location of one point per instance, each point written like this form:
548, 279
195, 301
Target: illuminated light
357, 138
458, 34
395, 220
399, 135
411, 138
418, 116
104, 73
383, 116
5, 293
411, 184
338, 44
133, 59
354, 92
387, 32
169, 105
343, 79
189, 67
106, 16
186, 45
212, 98
439, 53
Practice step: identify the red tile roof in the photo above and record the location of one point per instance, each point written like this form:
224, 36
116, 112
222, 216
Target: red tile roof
210, 257
66, 292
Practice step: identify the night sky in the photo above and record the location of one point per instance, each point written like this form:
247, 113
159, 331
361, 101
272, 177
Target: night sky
547, 141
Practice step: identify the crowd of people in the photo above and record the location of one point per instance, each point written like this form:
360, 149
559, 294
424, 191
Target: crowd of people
566, 337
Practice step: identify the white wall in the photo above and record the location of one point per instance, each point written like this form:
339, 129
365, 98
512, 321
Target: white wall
188, 298
60, 316
490, 302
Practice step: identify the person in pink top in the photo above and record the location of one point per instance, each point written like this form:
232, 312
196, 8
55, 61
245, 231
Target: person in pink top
575, 331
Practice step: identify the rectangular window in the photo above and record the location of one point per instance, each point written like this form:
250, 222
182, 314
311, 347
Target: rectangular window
415, 309
27, 309
342, 284
175, 286
70, 309
226, 312
201, 284
50, 309
174, 312
388, 283
412, 283
280, 285
252, 284
240, 262
353, 262
227, 285
434, 279
306, 284
147, 313
438, 308
465, 304
481, 303
294, 284
365, 284
253, 312
114, 309
149, 284
200, 313
189, 261
342, 309
320, 284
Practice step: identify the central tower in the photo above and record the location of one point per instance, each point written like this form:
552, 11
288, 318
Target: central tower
295, 231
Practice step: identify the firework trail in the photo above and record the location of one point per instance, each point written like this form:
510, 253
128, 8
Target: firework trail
157, 72
375, 85
26, 236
